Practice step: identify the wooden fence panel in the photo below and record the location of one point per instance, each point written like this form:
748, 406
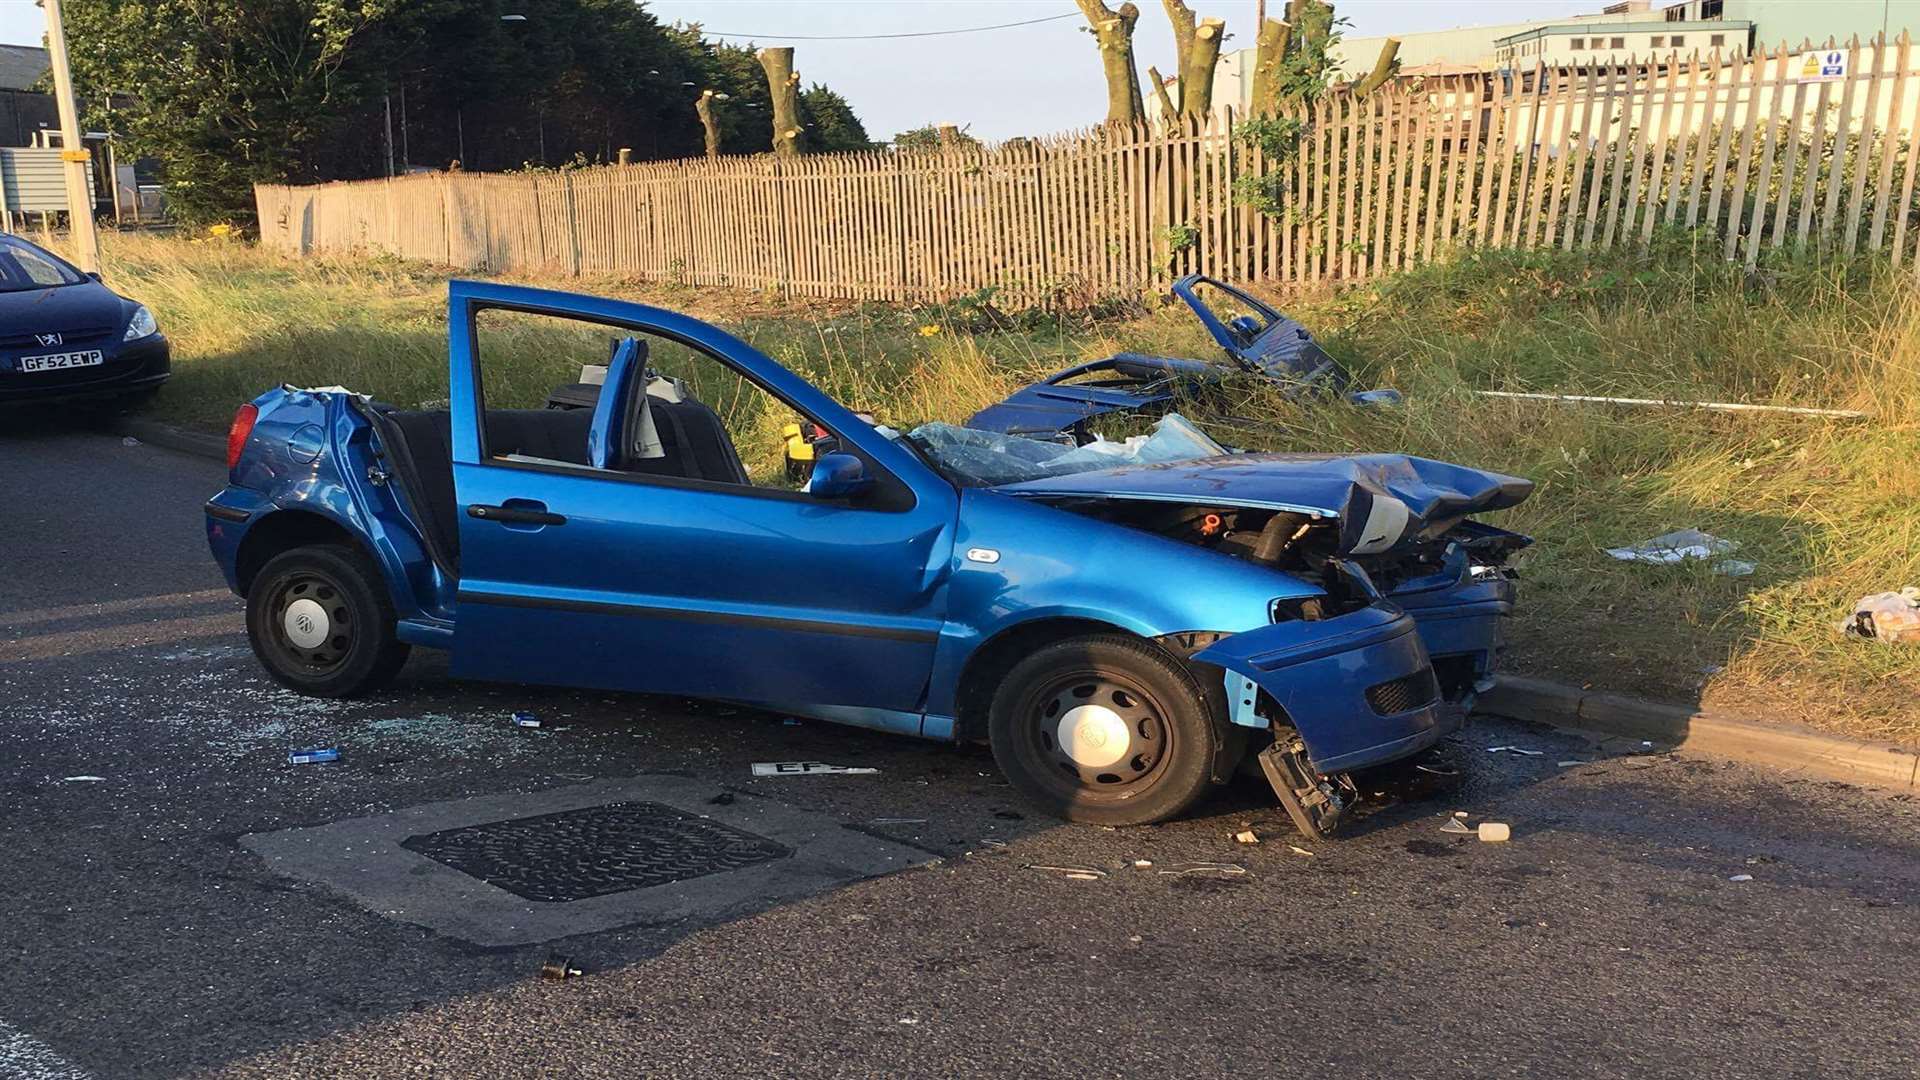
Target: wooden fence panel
1571, 158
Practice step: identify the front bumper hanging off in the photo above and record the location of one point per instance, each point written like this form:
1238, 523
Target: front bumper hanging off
1358, 688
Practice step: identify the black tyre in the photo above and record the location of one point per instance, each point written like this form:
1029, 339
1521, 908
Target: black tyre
321, 623
1105, 729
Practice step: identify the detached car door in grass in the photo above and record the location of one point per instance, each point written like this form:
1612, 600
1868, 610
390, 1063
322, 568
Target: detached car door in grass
651, 539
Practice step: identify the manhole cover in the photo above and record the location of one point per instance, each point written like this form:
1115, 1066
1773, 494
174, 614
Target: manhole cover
596, 850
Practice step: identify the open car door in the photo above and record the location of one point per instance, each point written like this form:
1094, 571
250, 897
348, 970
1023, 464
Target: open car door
1258, 338
647, 559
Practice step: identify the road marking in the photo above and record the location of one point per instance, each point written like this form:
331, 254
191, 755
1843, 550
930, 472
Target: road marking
81, 642
23, 1057
12, 619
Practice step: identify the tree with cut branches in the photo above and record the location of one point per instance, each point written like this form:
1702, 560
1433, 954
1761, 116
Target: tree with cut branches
1113, 30
1197, 44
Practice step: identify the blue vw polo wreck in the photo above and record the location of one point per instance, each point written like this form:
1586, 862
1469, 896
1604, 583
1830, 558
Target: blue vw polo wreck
1122, 631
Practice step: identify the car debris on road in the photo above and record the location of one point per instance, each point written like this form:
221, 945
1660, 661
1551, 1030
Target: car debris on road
809, 768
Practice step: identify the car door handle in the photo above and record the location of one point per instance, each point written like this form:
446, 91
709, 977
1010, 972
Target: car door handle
533, 514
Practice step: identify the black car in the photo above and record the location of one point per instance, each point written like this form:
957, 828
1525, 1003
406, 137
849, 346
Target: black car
63, 334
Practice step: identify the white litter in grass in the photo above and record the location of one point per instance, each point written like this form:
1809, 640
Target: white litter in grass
1686, 545
1570, 763
1889, 617
1455, 825
1494, 832
1514, 750
129, 441
1222, 869
82, 779
809, 768
1246, 836
1741, 877
1298, 850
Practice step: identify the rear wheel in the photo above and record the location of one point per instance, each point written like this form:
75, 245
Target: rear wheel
320, 622
1104, 729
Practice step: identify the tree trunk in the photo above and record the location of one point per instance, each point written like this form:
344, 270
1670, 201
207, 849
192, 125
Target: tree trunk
704, 106
1113, 30
1270, 46
1382, 68
1167, 109
949, 136
1312, 21
1198, 47
783, 83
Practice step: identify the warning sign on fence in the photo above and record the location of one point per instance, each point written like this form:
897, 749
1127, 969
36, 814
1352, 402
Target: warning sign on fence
1827, 66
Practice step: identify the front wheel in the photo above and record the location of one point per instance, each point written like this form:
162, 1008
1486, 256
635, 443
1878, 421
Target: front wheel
320, 622
1105, 729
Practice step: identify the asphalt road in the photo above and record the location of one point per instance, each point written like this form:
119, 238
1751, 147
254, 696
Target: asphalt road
140, 938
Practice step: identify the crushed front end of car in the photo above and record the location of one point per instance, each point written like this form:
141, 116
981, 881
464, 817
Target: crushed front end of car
1400, 623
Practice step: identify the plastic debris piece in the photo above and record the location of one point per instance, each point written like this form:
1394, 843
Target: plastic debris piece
1298, 850
1076, 873
559, 967
1571, 762
525, 719
1437, 771
129, 441
1741, 877
809, 768
1220, 869
1455, 825
1682, 546
1889, 617
898, 821
1514, 750
1494, 832
1246, 836
909, 1021
82, 779
1143, 864
313, 757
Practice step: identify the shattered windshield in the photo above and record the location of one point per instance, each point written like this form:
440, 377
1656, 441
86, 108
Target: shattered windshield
988, 459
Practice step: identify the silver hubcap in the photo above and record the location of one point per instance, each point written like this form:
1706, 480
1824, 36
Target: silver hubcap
306, 624
1094, 736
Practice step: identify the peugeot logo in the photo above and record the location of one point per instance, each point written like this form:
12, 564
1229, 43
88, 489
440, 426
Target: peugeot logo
48, 339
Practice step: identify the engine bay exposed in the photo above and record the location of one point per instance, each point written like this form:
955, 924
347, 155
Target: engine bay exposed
1310, 547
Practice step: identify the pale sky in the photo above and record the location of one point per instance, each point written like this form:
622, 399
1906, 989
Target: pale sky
1028, 80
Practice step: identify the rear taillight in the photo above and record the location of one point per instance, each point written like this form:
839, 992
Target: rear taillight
238, 431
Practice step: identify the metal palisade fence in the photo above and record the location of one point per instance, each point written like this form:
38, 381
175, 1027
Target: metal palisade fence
1803, 150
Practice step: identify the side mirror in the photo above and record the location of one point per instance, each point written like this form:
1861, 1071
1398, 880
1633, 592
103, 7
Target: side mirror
838, 476
94, 274
1246, 326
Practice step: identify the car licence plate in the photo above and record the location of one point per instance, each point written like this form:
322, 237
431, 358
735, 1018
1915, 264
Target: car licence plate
56, 361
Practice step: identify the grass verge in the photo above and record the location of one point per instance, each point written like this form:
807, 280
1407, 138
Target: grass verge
1828, 510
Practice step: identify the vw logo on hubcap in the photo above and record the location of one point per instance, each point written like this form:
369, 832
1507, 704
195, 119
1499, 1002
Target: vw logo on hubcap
306, 624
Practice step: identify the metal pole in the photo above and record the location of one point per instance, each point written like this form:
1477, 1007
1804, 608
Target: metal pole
406, 156
387, 100
73, 152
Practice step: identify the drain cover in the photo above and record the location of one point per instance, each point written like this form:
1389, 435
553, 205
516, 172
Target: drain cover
596, 850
